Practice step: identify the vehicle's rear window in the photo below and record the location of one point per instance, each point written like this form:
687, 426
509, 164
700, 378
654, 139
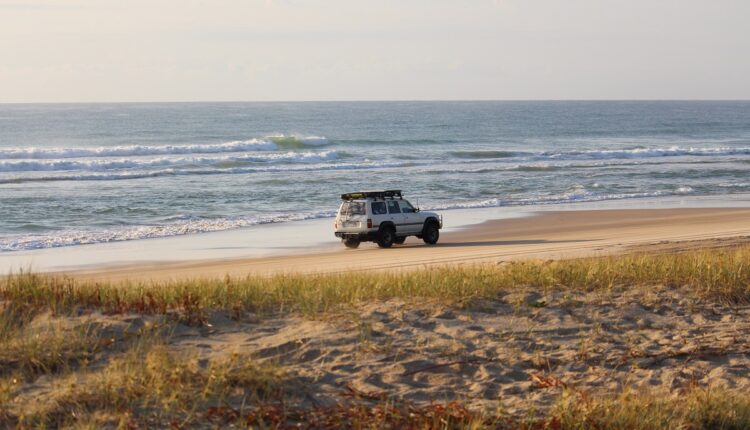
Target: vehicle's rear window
378, 208
353, 208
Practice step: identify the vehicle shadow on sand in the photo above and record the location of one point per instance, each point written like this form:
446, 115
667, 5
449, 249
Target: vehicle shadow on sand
506, 242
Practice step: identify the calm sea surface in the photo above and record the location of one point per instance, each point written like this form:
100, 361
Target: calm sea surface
78, 173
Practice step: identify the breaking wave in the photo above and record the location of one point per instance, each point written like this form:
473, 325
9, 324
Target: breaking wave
134, 163
286, 141
270, 143
313, 167
674, 151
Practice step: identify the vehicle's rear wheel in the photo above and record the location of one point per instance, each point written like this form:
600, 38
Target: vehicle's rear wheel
386, 236
431, 233
399, 240
351, 242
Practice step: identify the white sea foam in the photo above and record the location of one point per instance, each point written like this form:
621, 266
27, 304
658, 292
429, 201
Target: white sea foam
136, 150
269, 143
674, 151
99, 164
577, 194
92, 177
187, 225
734, 184
614, 154
41, 176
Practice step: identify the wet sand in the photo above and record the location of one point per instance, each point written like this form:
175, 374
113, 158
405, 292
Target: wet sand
545, 235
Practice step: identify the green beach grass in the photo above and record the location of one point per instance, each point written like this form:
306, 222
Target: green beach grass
135, 381
721, 275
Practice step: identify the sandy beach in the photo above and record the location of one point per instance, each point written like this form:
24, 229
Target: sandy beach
495, 341
541, 235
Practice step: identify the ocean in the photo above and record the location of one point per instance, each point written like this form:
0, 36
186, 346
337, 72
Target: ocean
73, 174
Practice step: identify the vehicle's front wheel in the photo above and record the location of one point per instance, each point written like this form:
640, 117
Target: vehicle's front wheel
399, 240
351, 242
431, 233
386, 236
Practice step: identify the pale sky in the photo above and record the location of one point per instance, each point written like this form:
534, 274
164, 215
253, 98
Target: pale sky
248, 50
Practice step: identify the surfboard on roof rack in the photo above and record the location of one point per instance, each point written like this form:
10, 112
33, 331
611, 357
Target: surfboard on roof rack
380, 194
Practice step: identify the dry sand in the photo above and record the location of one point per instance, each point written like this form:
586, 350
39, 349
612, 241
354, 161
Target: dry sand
546, 235
516, 352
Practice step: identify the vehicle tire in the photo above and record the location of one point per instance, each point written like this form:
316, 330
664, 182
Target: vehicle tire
399, 240
386, 236
351, 242
431, 233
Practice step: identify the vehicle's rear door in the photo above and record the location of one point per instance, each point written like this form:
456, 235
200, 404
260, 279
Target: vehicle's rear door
378, 213
395, 215
352, 216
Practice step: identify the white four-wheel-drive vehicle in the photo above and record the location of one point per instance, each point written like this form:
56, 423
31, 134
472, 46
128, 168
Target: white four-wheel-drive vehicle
384, 217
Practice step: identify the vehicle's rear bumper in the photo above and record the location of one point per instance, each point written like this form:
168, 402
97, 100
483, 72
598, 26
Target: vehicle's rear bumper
369, 236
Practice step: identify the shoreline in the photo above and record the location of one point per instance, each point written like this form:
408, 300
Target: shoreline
495, 233
545, 235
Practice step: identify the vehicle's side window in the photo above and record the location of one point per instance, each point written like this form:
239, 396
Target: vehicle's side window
353, 208
378, 208
393, 207
406, 207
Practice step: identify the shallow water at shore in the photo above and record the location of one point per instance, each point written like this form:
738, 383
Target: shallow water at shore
86, 174
299, 238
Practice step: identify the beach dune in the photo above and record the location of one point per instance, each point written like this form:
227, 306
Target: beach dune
512, 339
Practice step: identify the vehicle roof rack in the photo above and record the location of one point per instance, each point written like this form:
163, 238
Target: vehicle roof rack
382, 194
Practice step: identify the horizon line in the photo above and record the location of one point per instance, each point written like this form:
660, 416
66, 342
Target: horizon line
369, 101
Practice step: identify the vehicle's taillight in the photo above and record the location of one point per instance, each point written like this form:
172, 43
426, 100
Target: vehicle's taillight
369, 222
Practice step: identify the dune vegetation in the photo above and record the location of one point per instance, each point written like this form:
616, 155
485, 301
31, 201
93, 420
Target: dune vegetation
86, 354
721, 275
